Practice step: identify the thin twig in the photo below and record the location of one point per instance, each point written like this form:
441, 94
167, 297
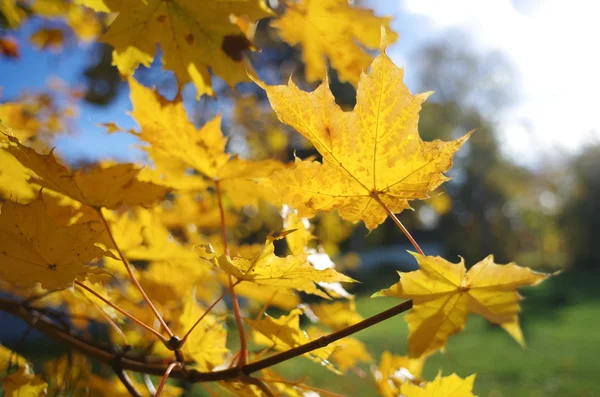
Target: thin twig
258, 383
163, 381
258, 317
399, 224
132, 276
236, 305
203, 315
109, 320
124, 378
123, 312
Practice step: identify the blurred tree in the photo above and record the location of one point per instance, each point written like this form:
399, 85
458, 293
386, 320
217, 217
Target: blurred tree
470, 88
580, 217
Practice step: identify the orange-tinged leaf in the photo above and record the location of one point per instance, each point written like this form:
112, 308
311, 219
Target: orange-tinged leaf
447, 386
96, 186
24, 384
288, 273
445, 293
371, 154
34, 249
193, 35
334, 30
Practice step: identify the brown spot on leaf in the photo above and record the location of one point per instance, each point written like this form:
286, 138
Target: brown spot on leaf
190, 38
161, 18
235, 45
52, 267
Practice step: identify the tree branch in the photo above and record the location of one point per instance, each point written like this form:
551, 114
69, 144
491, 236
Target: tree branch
117, 357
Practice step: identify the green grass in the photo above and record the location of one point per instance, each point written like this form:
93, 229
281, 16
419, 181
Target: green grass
562, 357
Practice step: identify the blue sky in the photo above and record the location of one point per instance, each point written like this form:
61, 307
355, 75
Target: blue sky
551, 43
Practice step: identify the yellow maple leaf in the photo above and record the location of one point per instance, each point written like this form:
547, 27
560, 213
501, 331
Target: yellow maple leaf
337, 315
347, 352
166, 127
334, 30
290, 272
34, 249
284, 333
445, 293
10, 359
298, 240
394, 371
372, 156
24, 384
194, 35
48, 38
96, 186
447, 386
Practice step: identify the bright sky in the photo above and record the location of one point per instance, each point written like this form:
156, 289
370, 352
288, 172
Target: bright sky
553, 46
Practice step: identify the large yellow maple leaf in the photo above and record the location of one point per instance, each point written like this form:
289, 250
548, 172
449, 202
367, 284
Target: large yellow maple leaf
372, 156
292, 272
444, 293
97, 186
194, 35
34, 249
334, 30
166, 127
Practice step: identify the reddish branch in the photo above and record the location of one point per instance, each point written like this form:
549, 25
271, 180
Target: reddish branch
122, 358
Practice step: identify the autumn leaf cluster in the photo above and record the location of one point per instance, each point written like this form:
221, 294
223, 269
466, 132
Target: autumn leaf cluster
152, 250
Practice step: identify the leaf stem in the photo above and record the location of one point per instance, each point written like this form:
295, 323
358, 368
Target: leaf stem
203, 315
109, 320
125, 313
163, 381
399, 224
132, 276
236, 304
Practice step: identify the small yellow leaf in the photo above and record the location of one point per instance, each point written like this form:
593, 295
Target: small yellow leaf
96, 186
284, 333
335, 30
207, 343
290, 272
337, 315
48, 38
172, 137
10, 359
445, 293
372, 156
394, 371
23, 384
447, 386
34, 249
193, 35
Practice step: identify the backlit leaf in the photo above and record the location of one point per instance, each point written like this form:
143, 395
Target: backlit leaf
371, 154
34, 249
445, 293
